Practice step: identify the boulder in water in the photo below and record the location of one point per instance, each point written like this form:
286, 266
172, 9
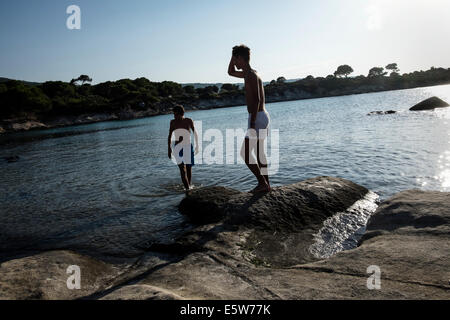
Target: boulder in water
430, 104
286, 208
282, 223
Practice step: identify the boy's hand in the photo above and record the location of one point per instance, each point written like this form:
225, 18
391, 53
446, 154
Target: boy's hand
196, 150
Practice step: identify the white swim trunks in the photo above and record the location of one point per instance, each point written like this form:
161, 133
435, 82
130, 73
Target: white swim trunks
261, 126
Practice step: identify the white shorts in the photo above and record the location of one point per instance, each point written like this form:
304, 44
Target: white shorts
261, 126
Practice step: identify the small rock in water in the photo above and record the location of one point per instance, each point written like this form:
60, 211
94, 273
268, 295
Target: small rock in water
430, 104
381, 112
12, 159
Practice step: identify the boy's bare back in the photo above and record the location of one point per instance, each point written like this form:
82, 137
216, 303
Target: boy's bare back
185, 123
254, 83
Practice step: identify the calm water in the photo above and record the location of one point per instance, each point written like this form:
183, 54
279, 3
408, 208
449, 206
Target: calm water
110, 188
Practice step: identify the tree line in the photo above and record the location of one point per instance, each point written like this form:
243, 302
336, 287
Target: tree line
345, 70
55, 98
377, 79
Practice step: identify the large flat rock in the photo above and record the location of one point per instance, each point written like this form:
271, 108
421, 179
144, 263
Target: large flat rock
254, 250
44, 276
407, 238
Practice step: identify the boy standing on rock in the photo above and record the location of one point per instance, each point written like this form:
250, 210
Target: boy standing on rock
183, 149
258, 117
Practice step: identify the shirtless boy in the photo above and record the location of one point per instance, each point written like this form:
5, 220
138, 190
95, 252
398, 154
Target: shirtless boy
258, 117
184, 151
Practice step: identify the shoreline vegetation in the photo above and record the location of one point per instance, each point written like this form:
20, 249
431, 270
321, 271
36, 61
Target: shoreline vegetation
29, 106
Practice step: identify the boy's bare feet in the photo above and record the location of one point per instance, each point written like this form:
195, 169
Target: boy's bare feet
261, 188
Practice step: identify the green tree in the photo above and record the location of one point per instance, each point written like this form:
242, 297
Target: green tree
281, 80
83, 78
20, 98
393, 68
343, 70
142, 82
169, 88
376, 72
229, 87
103, 89
189, 89
57, 88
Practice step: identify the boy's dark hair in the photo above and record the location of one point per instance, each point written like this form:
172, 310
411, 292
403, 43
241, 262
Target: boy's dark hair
178, 109
242, 51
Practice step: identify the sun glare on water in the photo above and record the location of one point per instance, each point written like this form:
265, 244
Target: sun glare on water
444, 176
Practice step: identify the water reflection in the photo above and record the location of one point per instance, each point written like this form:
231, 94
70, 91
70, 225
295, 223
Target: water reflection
444, 175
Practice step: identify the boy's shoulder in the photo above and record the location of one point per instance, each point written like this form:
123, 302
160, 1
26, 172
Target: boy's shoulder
188, 120
252, 75
256, 75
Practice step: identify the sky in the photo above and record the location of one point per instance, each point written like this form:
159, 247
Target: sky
190, 41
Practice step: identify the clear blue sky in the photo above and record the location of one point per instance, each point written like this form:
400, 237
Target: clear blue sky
191, 41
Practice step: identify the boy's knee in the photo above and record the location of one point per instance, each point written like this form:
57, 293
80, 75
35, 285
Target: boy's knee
264, 170
245, 155
262, 161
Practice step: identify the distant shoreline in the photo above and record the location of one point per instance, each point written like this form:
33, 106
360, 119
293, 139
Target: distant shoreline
33, 123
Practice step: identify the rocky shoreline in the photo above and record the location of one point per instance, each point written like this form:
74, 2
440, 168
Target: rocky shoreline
34, 122
249, 246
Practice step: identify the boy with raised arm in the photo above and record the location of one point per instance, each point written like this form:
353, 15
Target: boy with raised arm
258, 117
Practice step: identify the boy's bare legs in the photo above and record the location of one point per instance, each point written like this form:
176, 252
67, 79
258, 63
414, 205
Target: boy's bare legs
189, 173
184, 176
262, 160
252, 165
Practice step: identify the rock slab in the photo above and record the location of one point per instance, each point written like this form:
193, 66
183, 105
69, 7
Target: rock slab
257, 249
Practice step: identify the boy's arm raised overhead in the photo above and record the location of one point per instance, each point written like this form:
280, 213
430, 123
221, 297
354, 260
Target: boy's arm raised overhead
232, 70
169, 149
